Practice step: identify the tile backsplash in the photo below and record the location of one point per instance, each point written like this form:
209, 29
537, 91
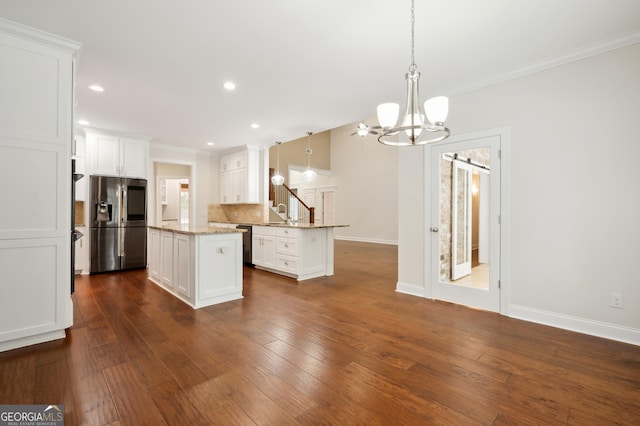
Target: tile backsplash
245, 213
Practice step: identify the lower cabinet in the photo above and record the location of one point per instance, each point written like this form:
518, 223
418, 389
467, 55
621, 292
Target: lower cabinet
154, 255
263, 246
183, 258
301, 253
166, 259
199, 268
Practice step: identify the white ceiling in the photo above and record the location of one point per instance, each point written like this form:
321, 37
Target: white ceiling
299, 65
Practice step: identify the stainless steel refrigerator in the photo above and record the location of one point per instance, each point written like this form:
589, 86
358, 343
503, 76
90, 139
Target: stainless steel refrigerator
118, 215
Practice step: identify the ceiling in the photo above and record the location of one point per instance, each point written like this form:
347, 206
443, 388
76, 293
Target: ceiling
299, 65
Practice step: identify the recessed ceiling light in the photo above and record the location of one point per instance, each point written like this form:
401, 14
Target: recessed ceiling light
211, 143
83, 122
96, 88
230, 85
255, 125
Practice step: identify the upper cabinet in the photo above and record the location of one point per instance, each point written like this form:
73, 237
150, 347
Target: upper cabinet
117, 156
240, 177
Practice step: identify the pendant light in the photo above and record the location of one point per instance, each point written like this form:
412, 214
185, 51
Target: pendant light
412, 128
277, 179
309, 174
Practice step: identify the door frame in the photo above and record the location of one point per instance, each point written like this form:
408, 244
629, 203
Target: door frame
505, 212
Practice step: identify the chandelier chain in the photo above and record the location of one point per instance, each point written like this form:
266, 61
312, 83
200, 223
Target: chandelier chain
413, 66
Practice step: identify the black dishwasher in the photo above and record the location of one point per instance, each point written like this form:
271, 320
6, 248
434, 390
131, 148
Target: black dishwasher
246, 244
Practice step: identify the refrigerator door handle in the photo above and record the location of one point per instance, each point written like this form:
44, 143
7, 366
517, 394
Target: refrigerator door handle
123, 203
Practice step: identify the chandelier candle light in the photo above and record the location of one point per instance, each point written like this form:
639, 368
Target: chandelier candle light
412, 128
277, 179
309, 174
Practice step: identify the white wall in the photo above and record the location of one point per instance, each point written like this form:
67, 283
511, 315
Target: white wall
574, 198
366, 175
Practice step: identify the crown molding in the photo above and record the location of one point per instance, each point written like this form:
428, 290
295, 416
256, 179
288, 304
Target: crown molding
38, 36
575, 55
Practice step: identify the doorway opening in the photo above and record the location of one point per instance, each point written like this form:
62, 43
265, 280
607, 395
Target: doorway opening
174, 197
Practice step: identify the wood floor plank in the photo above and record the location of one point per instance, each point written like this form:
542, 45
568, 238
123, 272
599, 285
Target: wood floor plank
132, 400
253, 401
175, 406
216, 406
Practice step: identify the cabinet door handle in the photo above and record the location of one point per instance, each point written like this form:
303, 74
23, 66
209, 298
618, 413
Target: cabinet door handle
286, 246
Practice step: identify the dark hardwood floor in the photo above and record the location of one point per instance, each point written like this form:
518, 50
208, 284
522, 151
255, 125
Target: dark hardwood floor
344, 350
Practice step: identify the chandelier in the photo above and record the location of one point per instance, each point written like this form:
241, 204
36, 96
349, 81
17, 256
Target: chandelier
412, 128
277, 179
309, 174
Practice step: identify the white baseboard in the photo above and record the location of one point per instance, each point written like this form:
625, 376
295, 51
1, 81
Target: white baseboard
366, 240
410, 289
32, 340
580, 325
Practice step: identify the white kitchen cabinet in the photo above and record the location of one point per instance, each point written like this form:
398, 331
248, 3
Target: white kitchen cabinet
117, 156
233, 161
166, 259
263, 246
36, 122
183, 257
240, 177
301, 253
154, 254
206, 267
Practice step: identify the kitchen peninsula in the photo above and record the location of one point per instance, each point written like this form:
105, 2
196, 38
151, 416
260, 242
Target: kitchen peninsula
202, 266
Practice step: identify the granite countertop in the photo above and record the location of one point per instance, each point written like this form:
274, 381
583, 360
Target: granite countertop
286, 225
197, 230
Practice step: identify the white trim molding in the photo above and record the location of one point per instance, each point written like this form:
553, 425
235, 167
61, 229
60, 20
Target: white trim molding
367, 240
410, 289
553, 62
577, 324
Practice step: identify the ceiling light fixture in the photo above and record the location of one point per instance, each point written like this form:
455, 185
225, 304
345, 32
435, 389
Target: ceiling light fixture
255, 126
229, 85
211, 143
309, 174
96, 88
412, 128
277, 179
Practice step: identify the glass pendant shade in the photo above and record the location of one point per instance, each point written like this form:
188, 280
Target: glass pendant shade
277, 179
388, 114
309, 175
437, 109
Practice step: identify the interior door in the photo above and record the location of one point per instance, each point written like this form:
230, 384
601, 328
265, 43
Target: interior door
457, 275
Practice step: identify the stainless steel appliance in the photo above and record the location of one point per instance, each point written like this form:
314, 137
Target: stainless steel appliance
118, 218
246, 244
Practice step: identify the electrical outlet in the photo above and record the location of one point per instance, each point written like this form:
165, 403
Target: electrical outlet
616, 300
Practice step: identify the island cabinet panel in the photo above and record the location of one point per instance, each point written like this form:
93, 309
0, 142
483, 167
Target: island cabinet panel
184, 263
201, 268
166, 259
154, 254
218, 274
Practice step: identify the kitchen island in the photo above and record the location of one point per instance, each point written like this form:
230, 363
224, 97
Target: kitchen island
202, 266
301, 251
